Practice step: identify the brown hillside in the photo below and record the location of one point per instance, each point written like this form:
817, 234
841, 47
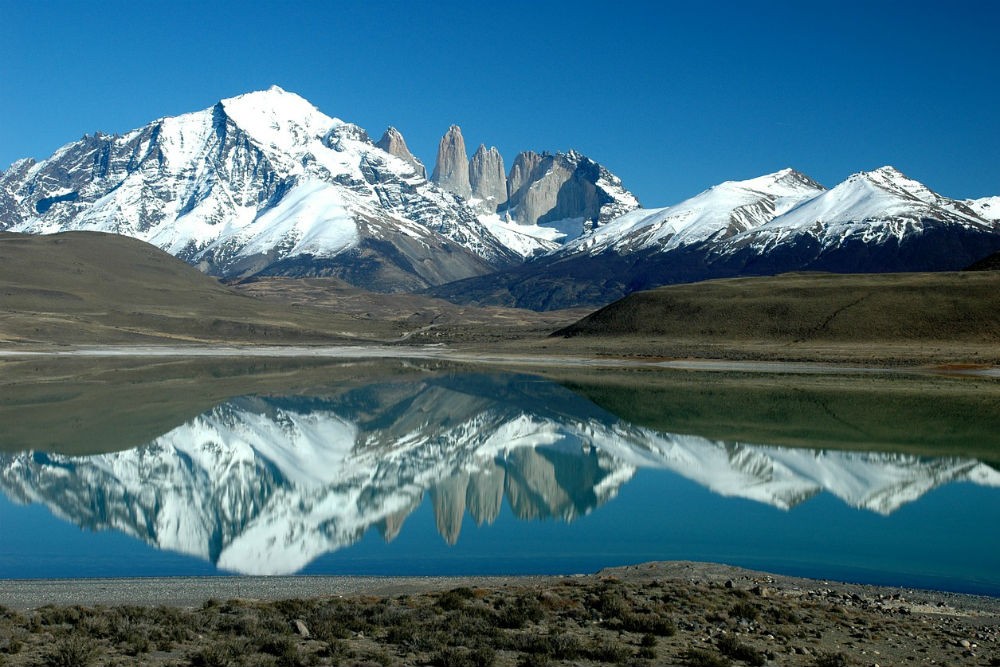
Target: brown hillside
990, 263
810, 308
90, 287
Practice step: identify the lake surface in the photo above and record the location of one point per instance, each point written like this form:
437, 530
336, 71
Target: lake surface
434, 469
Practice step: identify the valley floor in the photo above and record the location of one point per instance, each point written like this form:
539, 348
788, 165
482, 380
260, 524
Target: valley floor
657, 613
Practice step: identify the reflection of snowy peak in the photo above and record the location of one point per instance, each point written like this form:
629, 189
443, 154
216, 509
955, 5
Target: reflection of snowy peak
784, 477
261, 486
267, 485
256, 183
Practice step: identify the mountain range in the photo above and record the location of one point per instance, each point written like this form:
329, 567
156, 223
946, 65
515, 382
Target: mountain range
265, 184
264, 485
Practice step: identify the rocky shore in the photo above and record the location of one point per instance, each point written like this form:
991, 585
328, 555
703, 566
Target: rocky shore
675, 613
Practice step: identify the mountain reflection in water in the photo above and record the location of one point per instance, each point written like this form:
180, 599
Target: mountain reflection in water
265, 485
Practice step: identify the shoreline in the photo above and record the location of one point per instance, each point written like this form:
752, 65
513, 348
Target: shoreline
190, 591
678, 613
440, 352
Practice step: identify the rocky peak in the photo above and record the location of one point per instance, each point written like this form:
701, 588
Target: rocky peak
392, 142
487, 178
451, 171
521, 172
345, 132
567, 190
794, 178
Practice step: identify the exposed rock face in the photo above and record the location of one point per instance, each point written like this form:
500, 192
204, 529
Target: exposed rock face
520, 173
488, 179
546, 189
451, 171
392, 142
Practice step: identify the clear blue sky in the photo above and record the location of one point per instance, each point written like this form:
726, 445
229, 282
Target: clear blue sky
673, 97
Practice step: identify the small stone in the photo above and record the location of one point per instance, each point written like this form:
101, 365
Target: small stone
730, 583
301, 628
965, 643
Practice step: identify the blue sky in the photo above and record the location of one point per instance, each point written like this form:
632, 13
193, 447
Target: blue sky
673, 97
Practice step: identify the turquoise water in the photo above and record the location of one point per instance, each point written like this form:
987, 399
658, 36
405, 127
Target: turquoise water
489, 474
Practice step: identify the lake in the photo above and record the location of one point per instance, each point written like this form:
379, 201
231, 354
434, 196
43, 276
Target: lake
181, 467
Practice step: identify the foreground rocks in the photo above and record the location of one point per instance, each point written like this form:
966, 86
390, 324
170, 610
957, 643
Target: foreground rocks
671, 613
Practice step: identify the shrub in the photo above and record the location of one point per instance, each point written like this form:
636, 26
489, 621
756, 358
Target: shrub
744, 610
696, 657
452, 600
564, 646
70, 651
520, 612
460, 657
733, 648
12, 643
609, 651
282, 648
612, 605
649, 623
782, 615
534, 660
830, 660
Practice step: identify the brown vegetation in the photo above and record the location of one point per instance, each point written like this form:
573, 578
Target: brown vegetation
645, 615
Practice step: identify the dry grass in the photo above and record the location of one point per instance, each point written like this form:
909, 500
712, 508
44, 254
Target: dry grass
876, 318
597, 620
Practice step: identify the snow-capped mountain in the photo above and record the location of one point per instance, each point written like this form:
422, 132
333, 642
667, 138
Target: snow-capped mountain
265, 183
874, 222
900, 222
259, 183
720, 212
266, 485
987, 208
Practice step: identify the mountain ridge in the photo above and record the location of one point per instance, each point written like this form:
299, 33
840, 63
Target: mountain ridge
873, 222
205, 185
265, 184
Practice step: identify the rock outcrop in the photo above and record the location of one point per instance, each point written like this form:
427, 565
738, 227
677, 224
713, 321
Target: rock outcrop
520, 173
392, 142
451, 171
488, 179
565, 187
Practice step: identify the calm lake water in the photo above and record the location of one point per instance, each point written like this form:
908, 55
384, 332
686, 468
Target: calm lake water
446, 471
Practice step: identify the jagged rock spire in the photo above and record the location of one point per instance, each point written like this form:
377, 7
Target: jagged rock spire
487, 178
451, 171
521, 172
392, 142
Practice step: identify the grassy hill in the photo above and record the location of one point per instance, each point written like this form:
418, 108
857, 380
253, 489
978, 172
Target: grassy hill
990, 263
912, 313
89, 287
